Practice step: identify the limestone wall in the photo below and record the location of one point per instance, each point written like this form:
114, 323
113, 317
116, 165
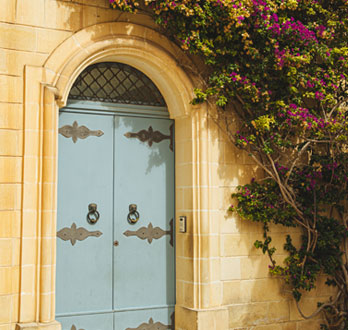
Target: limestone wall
222, 281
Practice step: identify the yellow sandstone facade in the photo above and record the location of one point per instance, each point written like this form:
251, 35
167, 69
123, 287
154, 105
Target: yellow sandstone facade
222, 282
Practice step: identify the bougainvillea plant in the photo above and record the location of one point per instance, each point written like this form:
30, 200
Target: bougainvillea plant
282, 67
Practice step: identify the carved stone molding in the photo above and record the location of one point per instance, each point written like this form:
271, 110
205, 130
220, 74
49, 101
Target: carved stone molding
75, 131
150, 233
150, 136
72, 234
151, 325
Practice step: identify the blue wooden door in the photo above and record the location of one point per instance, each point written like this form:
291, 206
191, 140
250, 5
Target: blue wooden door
116, 272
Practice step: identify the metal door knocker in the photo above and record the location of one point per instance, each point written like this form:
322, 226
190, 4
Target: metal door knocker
133, 215
92, 215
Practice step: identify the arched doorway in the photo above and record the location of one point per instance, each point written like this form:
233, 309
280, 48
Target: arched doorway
115, 218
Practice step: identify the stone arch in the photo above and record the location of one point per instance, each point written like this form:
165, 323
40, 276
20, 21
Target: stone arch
135, 45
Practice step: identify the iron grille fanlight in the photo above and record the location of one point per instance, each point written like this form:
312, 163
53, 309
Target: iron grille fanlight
115, 83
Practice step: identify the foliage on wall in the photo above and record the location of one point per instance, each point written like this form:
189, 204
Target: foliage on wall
282, 67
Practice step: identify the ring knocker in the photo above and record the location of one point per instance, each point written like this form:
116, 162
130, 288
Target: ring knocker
92, 215
133, 215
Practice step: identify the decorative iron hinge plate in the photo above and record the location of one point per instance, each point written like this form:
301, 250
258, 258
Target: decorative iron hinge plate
75, 132
150, 136
74, 234
150, 233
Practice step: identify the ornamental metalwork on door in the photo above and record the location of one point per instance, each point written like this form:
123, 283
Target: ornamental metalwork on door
115, 235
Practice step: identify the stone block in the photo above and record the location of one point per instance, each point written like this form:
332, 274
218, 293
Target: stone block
10, 224
16, 251
28, 279
237, 292
236, 245
188, 198
289, 326
12, 62
184, 244
268, 289
231, 268
179, 198
89, 16
11, 116
15, 309
5, 308
8, 11
185, 318
210, 270
49, 251
31, 145
215, 196
31, 172
11, 169
49, 192
63, 15
10, 196
6, 280
49, 221
29, 223
30, 194
184, 269
98, 4
184, 175
48, 40
6, 252
278, 311
29, 251
11, 88
32, 110
216, 319
179, 289
229, 223
230, 175
11, 142
230, 152
210, 246
18, 37
244, 315
28, 308
254, 267
189, 294
183, 130
211, 295
46, 306
7, 326
31, 12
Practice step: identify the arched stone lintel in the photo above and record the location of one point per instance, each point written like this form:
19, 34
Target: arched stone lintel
132, 44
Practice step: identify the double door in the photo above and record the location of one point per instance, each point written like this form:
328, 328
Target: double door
115, 222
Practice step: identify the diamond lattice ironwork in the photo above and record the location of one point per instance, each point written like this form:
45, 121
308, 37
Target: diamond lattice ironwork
115, 83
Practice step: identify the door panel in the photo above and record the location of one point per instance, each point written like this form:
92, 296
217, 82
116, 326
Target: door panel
144, 175
115, 274
85, 172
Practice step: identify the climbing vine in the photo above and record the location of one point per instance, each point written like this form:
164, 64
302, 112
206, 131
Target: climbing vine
281, 66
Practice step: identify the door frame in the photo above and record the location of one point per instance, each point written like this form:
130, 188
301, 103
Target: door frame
46, 88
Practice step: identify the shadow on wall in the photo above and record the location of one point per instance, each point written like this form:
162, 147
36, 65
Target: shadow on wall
252, 296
